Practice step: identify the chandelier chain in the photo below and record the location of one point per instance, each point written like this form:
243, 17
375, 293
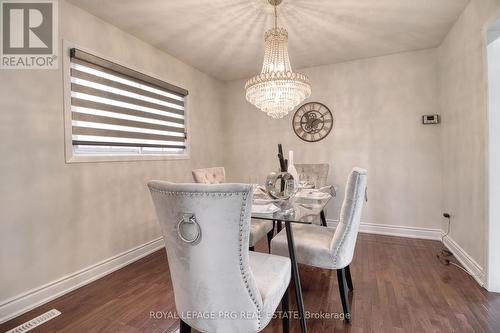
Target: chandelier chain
275, 16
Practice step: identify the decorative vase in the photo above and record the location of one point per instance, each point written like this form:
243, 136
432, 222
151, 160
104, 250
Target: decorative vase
280, 186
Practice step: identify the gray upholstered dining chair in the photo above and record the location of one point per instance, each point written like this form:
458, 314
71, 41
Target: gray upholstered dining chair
331, 248
219, 286
317, 175
258, 228
215, 175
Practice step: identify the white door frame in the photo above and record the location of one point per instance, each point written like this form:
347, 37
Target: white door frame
493, 166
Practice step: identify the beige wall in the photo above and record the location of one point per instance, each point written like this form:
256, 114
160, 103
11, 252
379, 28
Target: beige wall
463, 91
377, 105
58, 218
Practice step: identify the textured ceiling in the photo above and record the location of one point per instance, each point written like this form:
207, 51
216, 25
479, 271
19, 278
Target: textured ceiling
224, 38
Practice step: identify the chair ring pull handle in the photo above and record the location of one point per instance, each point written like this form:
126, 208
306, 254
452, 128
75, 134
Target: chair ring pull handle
188, 229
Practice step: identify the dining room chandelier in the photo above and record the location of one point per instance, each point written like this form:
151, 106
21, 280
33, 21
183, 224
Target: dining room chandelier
277, 90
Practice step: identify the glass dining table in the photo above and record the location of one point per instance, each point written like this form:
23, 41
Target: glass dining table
301, 209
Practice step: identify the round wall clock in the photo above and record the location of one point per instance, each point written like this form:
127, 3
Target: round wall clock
312, 122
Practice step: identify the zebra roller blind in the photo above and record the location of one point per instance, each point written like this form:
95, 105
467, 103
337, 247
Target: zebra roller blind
116, 110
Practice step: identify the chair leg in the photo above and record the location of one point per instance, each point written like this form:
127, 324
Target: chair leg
284, 310
270, 235
184, 328
348, 278
252, 248
323, 218
343, 294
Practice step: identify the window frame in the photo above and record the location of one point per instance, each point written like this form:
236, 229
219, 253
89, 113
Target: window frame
71, 156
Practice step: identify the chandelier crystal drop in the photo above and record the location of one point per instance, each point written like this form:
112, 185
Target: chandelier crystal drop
277, 90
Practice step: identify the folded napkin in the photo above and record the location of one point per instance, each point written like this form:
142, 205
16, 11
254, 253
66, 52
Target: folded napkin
330, 189
264, 209
265, 201
306, 185
312, 194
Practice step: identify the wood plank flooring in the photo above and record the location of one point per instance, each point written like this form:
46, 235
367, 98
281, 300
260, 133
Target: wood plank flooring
400, 286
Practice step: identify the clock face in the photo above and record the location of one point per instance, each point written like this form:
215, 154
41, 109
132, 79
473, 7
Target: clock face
312, 122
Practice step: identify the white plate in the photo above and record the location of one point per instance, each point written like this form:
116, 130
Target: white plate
264, 209
263, 201
312, 194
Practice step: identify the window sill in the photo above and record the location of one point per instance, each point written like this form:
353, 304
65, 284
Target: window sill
123, 158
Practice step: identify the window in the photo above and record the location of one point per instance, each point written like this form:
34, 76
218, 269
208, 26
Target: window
117, 111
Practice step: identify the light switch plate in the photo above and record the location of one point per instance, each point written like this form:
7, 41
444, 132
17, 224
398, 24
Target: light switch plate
432, 119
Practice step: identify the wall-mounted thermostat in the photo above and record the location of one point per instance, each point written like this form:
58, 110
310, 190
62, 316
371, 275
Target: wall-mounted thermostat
430, 119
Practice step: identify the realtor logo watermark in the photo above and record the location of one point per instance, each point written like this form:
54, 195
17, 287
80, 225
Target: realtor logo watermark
29, 34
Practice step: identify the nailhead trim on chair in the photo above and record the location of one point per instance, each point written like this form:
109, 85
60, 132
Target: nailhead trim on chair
244, 273
212, 194
335, 258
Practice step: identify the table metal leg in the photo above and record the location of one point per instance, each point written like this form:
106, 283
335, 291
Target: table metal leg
285, 311
184, 328
296, 277
279, 226
323, 218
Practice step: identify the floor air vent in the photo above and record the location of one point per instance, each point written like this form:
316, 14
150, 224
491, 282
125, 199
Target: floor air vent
29, 325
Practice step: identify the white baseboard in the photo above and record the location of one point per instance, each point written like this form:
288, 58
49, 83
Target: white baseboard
20, 304
475, 270
395, 230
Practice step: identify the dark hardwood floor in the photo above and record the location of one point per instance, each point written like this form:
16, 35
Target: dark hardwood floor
400, 286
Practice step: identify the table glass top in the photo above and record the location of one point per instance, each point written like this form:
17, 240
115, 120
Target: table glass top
304, 207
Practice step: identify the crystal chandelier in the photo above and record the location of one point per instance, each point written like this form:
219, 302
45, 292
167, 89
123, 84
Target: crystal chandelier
277, 90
